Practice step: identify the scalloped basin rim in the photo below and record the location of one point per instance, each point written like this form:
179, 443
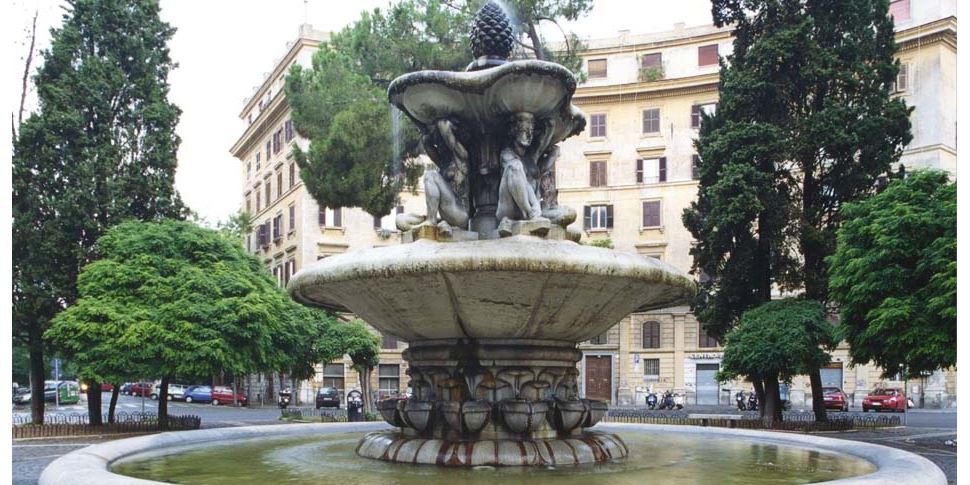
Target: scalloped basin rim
517, 287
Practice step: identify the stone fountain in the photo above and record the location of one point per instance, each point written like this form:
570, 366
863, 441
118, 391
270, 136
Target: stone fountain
491, 289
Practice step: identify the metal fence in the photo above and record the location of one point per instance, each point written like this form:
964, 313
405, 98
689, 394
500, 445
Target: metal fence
790, 421
77, 424
327, 415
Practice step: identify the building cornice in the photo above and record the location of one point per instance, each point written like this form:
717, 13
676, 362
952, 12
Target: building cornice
940, 31
280, 67
614, 93
662, 43
261, 127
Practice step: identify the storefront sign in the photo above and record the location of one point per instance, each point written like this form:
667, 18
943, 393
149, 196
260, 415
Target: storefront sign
705, 356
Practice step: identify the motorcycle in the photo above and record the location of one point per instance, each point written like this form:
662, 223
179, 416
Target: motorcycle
752, 402
283, 400
739, 399
652, 400
669, 402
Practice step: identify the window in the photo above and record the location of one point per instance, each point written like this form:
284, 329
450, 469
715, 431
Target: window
249, 170
597, 125
269, 191
292, 220
322, 217
651, 213
279, 184
695, 167
902, 78
596, 68
707, 55
278, 273
248, 205
388, 342
696, 110
278, 141
288, 129
703, 339
598, 217
336, 217
289, 269
263, 235
597, 174
651, 120
292, 175
651, 335
388, 380
258, 154
899, 9
258, 200
601, 339
269, 144
278, 227
333, 376
651, 369
651, 170
648, 61
377, 222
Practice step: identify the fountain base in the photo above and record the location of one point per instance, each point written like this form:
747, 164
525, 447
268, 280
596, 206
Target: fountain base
585, 448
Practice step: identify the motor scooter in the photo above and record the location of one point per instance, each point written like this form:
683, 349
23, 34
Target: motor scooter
284, 398
752, 402
669, 402
652, 400
739, 399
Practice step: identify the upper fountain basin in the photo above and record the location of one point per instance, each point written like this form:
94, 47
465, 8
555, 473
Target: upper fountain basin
480, 98
516, 287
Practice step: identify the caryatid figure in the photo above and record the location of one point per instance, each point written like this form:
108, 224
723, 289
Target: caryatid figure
446, 190
517, 192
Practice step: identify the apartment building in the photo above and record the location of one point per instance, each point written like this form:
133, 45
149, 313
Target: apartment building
633, 172
630, 174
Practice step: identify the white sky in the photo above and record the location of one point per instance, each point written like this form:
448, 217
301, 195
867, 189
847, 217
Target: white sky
223, 48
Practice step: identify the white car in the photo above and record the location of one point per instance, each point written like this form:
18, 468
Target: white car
176, 392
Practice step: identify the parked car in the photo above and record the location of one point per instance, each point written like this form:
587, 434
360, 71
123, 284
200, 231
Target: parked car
198, 394
107, 387
888, 398
223, 395
835, 399
141, 389
176, 392
64, 392
125, 389
21, 395
328, 397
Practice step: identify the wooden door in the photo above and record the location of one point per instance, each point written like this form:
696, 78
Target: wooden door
599, 377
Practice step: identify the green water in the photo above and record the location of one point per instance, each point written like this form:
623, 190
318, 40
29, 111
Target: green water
654, 458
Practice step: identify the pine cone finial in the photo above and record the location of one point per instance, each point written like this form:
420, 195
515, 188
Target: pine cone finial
492, 34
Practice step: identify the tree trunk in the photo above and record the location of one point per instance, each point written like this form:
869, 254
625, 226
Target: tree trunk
94, 403
114, 403
36, 380
771, 413
365, 388
234, 390
269, 386
818, 399
163, 404
759, 392
536, 42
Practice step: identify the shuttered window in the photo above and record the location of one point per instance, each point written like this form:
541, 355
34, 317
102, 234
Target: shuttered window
388, 342
598, 217
695, 167
597, 174
651, 120
707, 55
597, 125
648, 61
292, 175
651, 170
292, 218
704, 340
696, 110
337, 217
651, 335
322, 217
902, 78
596, 68
651, 213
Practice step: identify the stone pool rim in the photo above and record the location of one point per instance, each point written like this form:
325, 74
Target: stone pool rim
92, 465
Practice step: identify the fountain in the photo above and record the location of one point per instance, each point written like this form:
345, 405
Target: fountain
490, 289
492, 292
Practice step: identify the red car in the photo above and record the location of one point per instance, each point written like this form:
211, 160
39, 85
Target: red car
141, 389
106, 387
223, 395
890, 399
835, 399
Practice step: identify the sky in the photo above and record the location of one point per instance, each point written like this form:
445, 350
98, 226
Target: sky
223, 48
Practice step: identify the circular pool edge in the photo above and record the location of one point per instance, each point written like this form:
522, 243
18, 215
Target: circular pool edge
92, 465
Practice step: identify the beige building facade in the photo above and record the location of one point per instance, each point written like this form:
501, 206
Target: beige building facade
630, 175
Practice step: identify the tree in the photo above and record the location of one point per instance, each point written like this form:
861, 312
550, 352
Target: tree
101, 149
777, 341
894, 277
173, 298
805, 98
361, 154
364, 348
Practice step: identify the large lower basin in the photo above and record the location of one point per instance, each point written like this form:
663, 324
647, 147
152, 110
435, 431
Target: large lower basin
516, 287
324, 453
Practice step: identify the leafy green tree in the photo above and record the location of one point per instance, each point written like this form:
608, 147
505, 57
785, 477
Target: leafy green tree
805, 124
364, 348
894, 276
777, 341
361, 154
101, 149
173, 298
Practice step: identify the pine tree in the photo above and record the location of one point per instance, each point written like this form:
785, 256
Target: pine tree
805, 124
101, 149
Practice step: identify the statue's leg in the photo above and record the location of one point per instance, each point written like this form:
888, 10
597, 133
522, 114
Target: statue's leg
516, 185
432, 194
